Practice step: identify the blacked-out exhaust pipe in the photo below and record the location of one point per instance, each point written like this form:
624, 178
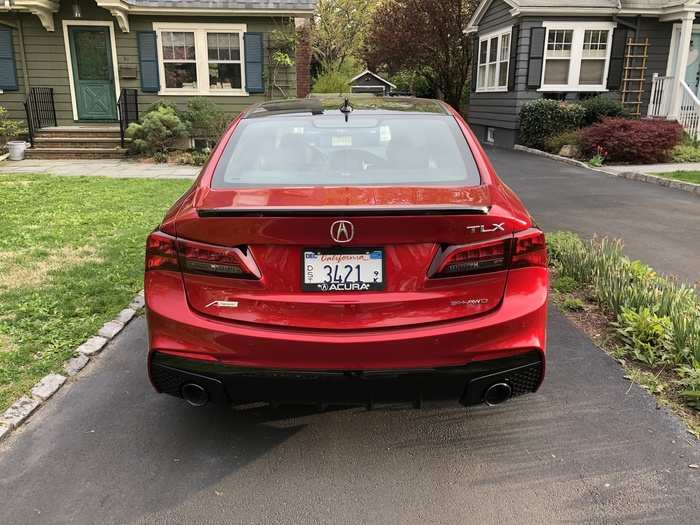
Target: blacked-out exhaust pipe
196, 395
497, 394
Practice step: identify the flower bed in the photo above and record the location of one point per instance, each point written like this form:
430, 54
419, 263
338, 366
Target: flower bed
652, 320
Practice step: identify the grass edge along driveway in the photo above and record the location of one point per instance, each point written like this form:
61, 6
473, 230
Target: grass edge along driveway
685, 176
71, 257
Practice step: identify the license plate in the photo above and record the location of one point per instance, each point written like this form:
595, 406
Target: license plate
343, 270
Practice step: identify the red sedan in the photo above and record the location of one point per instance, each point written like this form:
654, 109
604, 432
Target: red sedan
347, 251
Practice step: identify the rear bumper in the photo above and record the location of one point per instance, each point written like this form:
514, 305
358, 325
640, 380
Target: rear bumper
449, 352
466, 384
515, 327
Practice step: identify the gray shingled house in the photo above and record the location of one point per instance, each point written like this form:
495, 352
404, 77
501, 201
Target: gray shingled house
98, 64
644, 52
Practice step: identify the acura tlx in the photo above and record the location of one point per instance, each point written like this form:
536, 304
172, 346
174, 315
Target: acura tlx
347, 251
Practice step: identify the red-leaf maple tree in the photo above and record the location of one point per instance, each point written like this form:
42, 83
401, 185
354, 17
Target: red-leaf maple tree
425, 34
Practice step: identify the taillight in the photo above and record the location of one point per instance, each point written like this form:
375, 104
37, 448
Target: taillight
161, 252
471, 258
164, 252
529, 249
197, 257
525, 248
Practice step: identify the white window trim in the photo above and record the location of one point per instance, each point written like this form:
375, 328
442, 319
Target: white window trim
487, 37
579, 30
201, 58
69, 59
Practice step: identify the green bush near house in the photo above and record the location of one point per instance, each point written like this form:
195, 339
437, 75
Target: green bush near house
158, 131
601, 106
657, 318
206, 120
543, 118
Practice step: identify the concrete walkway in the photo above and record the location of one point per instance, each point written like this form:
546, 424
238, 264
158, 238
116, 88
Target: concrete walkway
115, 168
655, 168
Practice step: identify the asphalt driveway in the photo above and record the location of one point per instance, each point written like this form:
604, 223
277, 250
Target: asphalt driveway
659, 226
589, 447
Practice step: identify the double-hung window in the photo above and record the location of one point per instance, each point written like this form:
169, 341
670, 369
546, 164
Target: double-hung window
576, 56
205, 59
494, 57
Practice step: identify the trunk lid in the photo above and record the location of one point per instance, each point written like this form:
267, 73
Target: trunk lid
410, 226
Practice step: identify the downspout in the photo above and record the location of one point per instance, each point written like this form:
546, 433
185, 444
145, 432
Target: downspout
22, 54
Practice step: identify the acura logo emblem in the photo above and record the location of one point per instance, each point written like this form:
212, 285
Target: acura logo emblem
342, 231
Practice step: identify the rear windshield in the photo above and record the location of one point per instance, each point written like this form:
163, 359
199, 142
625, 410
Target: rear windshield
366, 150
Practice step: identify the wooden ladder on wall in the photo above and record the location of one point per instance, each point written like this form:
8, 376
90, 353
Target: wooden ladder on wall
633, 73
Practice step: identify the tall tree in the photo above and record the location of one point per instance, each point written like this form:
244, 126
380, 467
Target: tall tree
339, 29
426, 35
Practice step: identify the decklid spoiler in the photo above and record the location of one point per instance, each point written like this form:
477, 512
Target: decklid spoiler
343, 211
344, 197
303, 216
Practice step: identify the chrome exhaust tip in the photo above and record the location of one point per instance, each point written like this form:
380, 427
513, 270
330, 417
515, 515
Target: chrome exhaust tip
194, 394
497, 394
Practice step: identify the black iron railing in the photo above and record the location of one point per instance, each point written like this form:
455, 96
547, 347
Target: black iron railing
128, 104
40, 109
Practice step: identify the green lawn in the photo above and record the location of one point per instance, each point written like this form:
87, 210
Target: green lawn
71, 257
686, 176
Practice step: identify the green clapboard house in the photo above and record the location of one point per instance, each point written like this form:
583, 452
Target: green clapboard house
79, 69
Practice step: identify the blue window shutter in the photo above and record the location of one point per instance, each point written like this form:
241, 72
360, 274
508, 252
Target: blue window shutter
8, 68
148, 60
253, 49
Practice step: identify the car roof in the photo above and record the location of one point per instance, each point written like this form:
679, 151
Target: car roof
331, 104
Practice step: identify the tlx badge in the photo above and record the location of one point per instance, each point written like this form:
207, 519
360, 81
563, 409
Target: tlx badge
482, 228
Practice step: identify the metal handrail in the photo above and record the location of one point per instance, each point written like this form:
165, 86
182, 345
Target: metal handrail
128, 106
40, 109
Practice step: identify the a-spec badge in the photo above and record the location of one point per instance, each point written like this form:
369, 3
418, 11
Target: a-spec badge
223, 304
482, 228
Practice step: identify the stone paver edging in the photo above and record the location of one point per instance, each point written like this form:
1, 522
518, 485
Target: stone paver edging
688, 187
20, 411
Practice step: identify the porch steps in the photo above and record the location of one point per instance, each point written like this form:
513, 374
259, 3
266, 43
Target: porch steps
75, 153
77, 142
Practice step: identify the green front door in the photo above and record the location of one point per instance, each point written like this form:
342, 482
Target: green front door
93, 73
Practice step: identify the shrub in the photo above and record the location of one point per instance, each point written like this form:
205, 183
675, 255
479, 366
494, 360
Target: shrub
414, 81
192, 158
158, 131
331, 81
160, 157
685, 153
554, 143
647, 336
10, 129
632, 141
598, 107
206, 120
545, 118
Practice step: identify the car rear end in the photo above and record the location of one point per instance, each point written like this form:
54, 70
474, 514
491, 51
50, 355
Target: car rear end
352, 255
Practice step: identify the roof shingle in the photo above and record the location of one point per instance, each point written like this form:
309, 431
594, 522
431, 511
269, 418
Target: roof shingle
243, 5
